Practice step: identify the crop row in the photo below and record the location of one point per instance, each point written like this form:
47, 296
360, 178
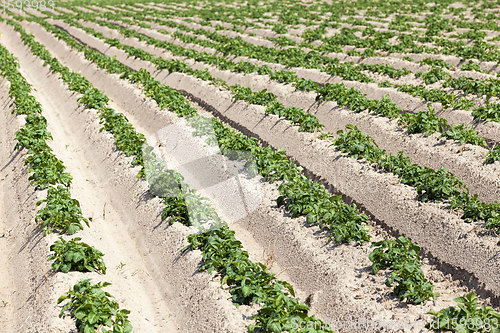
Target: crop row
422, 122
267, 168
87, 302
345, 70
372, 40
289, 57
290, 13
343, 221
431, 185
467, 85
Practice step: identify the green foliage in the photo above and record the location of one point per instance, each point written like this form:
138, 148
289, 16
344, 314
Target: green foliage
61, 213
34, 135
425, 122
430, 185
280, 29
164, 96
74, 255
493, 155
47, 170
437, 185
489, 112
465, 135
433, 75
410, 284
437, 95
301, 197
476, 210
357, 101
94, 309
250, 282
126, 138
358, 144
471, 66
467, 317
282, 41
93, 99
489, 88
284, 76
402, 257
347, 71
182, 204
306, 121
313, 34
262, 97
435, 63
306, 85
385, 69
389, 253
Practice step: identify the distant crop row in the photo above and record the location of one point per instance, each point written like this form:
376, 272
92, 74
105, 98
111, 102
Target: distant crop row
426, 122
408, 41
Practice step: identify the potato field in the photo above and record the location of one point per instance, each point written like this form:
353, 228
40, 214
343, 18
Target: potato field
249, 166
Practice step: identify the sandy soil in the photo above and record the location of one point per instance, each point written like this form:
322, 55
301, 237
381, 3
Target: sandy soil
26, 285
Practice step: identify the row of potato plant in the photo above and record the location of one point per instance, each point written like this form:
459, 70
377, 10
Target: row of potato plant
373, 40
62, 213
291, 56
431, 185
146, 74
488, 113
422, 122
467, 85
